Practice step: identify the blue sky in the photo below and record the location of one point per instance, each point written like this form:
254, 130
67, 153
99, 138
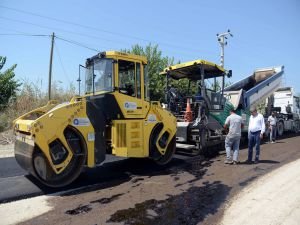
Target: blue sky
266, 33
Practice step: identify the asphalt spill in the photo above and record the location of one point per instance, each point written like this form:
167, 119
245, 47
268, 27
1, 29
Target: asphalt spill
107, 200
79, 210
190, 207
86, 208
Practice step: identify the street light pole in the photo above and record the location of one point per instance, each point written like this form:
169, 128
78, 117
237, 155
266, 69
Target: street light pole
222, 39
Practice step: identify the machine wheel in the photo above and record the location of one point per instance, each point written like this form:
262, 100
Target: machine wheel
44, 172
280, 128
164, 159
202, 144
41, 166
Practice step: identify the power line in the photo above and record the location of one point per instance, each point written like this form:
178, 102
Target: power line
31, 35
67, 40
59, 29
21, 33
47, 35
93, 28
80, 34
60, 60
67, 31
60, 38
85, 35
72, 23
78, 44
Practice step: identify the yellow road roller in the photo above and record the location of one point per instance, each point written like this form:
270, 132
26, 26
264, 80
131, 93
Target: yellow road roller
114, 116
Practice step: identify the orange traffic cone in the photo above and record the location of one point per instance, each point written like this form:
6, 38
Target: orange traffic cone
188, 116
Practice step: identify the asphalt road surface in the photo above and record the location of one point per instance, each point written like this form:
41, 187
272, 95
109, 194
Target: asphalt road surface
16, 184
189, 190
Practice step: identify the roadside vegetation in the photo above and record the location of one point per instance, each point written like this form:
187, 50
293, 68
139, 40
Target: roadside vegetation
19, 97
28, 97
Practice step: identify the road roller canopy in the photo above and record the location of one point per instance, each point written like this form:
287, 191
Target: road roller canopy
192, 70
116, 55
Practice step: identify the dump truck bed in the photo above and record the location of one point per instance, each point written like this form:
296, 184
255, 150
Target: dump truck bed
256, 87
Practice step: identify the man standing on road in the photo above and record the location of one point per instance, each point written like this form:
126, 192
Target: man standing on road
234, 122
272, 126
256, 130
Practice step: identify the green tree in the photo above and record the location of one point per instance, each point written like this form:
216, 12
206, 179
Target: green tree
156, 64
218, 85
8, 85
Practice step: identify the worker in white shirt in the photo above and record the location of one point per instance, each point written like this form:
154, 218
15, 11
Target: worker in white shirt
272, 121
256, 130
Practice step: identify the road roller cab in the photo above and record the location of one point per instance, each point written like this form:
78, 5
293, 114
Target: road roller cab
114, 116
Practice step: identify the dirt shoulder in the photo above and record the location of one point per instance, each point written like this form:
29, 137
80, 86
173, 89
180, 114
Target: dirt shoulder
6, 150
7, 137
272, 199
7, 140
196, 191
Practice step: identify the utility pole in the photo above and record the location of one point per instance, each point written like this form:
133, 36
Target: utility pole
222, 39
50, 65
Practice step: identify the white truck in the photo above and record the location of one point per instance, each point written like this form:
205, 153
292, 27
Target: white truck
286, 103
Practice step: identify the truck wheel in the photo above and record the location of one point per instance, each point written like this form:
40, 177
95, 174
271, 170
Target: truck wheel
280, 128
297, 127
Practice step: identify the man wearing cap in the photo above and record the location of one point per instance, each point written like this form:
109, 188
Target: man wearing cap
234, 122
256, 130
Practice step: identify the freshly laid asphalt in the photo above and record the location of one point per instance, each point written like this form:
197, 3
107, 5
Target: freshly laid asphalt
16, 183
